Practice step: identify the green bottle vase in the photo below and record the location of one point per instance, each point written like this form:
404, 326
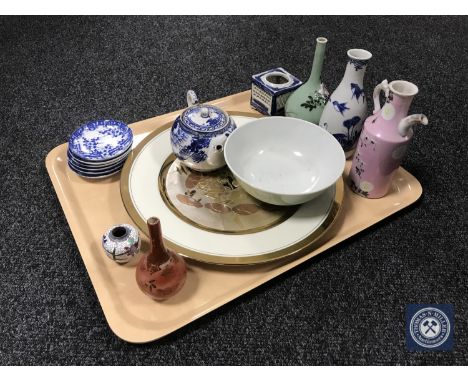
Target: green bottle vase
308, 101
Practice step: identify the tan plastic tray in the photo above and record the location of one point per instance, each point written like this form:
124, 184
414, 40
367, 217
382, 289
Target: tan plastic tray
91, 206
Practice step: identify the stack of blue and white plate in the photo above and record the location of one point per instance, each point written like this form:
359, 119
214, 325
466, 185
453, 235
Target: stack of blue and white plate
99, 148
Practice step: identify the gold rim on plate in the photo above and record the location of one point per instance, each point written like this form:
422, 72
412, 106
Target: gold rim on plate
302, 246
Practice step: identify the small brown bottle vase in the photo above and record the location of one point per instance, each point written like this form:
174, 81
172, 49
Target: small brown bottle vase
161, 273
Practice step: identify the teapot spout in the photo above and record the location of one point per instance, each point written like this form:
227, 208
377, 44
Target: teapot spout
405, 124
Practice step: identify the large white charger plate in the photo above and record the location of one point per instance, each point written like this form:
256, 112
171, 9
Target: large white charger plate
142, 199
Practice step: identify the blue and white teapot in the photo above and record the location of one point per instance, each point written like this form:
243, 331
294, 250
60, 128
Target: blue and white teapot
199, 133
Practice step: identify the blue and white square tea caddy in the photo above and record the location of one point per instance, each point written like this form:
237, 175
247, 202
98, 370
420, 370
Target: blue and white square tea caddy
271, 90
199, 133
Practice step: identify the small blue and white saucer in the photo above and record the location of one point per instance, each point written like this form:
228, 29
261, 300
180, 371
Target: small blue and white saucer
100, 170
95, 174
99, 164
100, 140
99, 149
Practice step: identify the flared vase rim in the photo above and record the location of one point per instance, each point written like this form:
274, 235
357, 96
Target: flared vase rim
359, 54
403, 88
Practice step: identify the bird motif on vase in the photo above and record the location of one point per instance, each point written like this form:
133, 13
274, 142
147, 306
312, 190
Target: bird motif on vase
357, 91
340, 107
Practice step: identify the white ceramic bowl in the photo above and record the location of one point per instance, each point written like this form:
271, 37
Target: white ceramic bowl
284, 161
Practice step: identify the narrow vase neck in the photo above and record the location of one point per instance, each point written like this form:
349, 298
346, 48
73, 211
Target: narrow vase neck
158, 254
317, 64
354, 73
401, 104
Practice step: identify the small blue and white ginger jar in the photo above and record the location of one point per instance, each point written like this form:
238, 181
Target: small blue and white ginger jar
199, 133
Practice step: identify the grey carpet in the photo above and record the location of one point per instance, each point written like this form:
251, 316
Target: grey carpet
344, 307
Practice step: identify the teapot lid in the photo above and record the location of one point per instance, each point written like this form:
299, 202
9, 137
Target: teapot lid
204, 118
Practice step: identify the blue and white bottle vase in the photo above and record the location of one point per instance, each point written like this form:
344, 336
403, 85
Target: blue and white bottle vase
346, 109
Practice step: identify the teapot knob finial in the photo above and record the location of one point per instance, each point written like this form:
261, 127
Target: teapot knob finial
192, 98
205, 112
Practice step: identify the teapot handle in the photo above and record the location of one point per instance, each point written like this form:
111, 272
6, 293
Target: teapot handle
192, 98
382, 86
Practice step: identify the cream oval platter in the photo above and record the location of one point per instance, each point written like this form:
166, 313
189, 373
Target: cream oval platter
142, 199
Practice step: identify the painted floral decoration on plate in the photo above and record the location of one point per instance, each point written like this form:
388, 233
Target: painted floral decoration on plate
214, 201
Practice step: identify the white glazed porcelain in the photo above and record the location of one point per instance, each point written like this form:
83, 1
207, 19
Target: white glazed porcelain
346, 108
146, 199
284, 161
99, 148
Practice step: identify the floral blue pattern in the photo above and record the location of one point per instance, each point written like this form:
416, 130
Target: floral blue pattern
178, 135
86, 166
347, 140
358, 64
195, 150
343, 116
215, 119
187, 146
197, 136
357, 91
100, 140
